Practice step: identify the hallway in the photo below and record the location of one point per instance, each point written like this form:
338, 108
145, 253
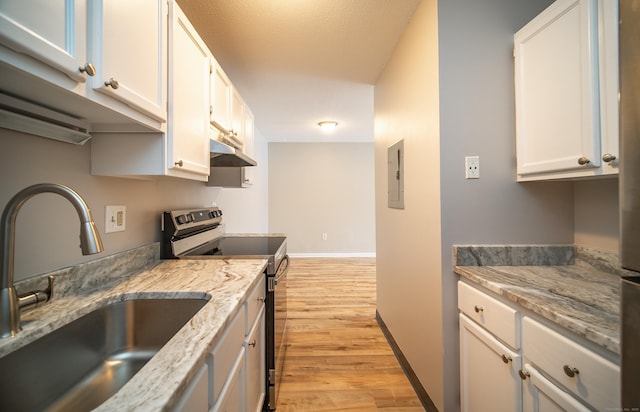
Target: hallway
337, 358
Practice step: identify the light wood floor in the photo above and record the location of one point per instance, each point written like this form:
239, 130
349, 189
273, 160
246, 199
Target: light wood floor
337, 358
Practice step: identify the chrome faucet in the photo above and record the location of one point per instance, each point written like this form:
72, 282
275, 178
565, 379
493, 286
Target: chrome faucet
90, 243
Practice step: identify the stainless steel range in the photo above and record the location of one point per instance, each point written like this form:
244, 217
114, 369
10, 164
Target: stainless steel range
200, 234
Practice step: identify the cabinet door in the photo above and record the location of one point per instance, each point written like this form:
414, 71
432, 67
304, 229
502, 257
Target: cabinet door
249, 142
256, 368
196, 397
556, 80
189, 69
489, 378
220, 98
55, 34
237, 118
231, 396
542, 395
128, 49
609, 85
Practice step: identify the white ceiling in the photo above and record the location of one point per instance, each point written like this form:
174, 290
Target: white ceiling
298, 62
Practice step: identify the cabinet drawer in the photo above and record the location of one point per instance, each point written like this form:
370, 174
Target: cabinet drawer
495, 316
596, 380
255, 302
226, 352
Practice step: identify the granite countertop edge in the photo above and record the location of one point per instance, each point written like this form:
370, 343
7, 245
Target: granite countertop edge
225, 283
573, 287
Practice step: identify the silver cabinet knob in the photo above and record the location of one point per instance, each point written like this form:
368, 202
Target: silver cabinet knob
478, 309
506, 359
260, 299
608, 158
253, 343
113, 83
523, 374
88, 68
583, 161
569, 371
179, 163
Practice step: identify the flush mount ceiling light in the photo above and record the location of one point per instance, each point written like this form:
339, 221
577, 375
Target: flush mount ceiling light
327, 126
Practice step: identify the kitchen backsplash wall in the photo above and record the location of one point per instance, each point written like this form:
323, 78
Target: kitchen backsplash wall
47, 227
596, 214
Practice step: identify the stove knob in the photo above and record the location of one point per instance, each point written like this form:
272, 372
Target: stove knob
190, 217
182, 219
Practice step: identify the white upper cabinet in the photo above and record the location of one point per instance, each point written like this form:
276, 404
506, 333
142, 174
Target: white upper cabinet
127, 46
237, 117
189, 70
220, 98
566, 91
103, 61
183, 150
54, 35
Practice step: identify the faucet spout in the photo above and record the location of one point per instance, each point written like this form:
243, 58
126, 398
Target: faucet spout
90, 243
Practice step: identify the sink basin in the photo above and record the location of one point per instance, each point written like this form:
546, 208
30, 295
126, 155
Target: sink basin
82, 364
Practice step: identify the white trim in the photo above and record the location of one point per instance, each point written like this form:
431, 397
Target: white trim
332, 255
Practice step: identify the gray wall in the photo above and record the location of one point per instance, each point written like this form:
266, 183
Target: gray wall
474, 115
47, 227
596, 214
317, 188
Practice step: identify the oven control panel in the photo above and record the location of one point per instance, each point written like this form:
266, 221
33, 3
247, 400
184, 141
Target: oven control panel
183, 219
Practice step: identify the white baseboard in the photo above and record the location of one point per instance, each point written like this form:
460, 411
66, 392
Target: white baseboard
333, 255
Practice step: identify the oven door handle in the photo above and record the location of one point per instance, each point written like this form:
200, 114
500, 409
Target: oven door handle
282, 269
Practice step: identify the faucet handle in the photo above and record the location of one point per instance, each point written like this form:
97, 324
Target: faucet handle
34, 298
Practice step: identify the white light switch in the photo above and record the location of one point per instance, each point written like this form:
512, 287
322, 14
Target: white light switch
115, 218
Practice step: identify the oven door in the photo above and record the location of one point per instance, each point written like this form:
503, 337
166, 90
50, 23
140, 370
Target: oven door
278, 291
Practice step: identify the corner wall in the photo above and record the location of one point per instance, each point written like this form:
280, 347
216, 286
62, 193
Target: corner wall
408, 243
449, 92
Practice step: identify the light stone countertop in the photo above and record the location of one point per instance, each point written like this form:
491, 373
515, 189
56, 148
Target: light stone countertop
158, 385
575, 288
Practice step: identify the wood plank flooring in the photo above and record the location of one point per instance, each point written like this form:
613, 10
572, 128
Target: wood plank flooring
337, 358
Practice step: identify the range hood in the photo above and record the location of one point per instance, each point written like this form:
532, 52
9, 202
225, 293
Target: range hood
224, 155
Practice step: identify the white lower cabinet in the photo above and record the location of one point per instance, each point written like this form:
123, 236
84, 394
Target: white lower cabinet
488, 371
196, 396
575, 370
513, 361
256, 365
231, 397
233, 378
239, 363
540, 394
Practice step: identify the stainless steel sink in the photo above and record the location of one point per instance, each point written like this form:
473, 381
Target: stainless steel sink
82, 364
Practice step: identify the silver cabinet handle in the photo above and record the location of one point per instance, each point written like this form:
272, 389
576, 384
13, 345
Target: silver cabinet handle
253, 343
260, 299
608, 158
179, 163
88, 68
569, 371
506, 359
583, 161
113, 83
478, 309
523, 374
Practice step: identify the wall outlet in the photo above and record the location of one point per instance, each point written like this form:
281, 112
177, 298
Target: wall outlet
472, 167
115, 218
